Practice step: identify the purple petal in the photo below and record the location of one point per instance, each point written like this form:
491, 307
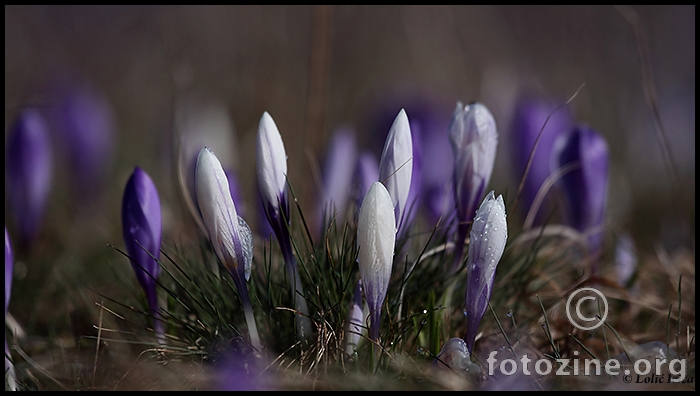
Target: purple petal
585, 187
141, 227
529, 118
29, 171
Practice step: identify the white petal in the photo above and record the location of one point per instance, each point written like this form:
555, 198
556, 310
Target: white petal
376, 237
271, 161
395, 165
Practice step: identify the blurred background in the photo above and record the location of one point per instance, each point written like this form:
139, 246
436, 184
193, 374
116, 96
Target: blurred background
316, 68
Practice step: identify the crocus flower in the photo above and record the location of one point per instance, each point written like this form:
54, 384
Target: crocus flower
9, 264
29, 172
487, 242
528, 120
338, 174
355, 325
584, 187
229, 234
455, 355
376, 238
84, 123
141, 228
272, 182
235, 190
474, 138
395, 165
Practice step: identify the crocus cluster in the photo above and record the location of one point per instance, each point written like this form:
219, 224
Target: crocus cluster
141, 229
584, 185
229, 234
272, 182
474, 139
487, 242
29, 172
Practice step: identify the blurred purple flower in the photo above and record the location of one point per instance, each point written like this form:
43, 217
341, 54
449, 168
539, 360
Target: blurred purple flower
243, 371
376, 238
474, 139
396, 165
341, 156
85, 125
528, 119
141, 227
366, 173
29, 172
487, 242
229, 234
585, 186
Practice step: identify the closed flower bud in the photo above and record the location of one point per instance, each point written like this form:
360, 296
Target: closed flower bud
396, 166
376, 238
229, 234
454, 355
474, 139
29, 172
272, 171
141, 228
486, 244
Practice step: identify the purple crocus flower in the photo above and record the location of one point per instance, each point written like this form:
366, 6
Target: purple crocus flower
585, 186
85, 125
376, 239
141, 227
272, 181
528, 120
474, 139
229, 234
338, 173
487, 242
29, 172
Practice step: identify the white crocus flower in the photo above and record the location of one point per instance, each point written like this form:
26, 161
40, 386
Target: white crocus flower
487, 242
376, 238
229, 234
395, 166
271, 163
